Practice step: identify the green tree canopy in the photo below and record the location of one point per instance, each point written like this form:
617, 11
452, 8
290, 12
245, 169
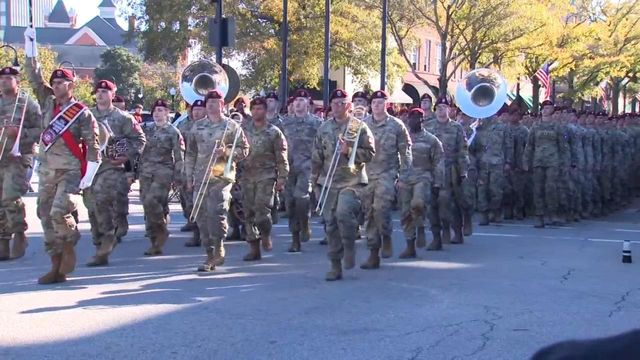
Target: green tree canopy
123, 68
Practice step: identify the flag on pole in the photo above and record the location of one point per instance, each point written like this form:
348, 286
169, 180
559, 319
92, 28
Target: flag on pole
545, 80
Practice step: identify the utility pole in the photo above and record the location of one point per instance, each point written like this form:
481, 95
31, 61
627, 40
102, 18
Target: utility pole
284, 76
327, 58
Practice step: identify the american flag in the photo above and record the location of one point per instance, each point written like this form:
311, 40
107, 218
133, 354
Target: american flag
545, 80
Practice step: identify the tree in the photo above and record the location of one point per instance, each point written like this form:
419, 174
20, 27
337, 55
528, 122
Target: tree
122, 67
157, 80
166, 28
83, 91
46, 59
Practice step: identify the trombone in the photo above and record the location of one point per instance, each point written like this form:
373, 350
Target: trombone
351, 133
15, 150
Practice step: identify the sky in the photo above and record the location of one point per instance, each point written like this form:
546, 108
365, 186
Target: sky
88, 9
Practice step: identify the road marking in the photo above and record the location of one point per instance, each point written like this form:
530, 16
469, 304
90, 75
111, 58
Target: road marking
611, 240
627, 230
493, 234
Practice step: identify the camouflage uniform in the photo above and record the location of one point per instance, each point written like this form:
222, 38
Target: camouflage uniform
266, 162
186, 195
493, 149
13, 177
416, 197
391, 162
161, 165
586, 172
451, 200
60, 175
470, 184
606, 168
343, 201
300, 133
545, 154
516, 178
597, 169
212, 215
277, 121
576, 138
107, 199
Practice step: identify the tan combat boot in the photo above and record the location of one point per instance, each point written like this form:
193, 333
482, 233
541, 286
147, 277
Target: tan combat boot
305, 234
218, 256
295, 242
54, 275
421, 240
195, 239
5, 253
446, 233
267, 245
467, 221
98, 259
254, 252
349, 256
410, 251
373, 262
19, 246
387, 247
436, 244
484, 219
161, 239
336, 271
458, 238
68, 263
209, 264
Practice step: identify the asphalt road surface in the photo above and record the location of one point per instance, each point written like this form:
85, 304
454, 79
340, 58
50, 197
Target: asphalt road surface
506, 292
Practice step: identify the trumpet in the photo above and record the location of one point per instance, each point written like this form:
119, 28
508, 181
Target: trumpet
351, 134
15, 150
204, 184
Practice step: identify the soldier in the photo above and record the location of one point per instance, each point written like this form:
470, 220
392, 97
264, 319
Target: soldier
119, 102
390, 164
544, 153
451, 202
515, 202
160, 166
360, 99
300, 130
470, 183
343, 199
596, 198
273, 104
426, 104
492, 148
13, 178
196, 112
606, 162
578, 160
421, 188
110, 189
210, 169
586, 168
68, 156
264, 170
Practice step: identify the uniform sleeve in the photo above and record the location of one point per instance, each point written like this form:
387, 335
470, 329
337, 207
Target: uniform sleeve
366, 146
133, 132
89, 133
317, 158
437, 154
32, 127
38, 82
404, 148
242, 145
463, 154
527, 158
191, 155
564, 148
509, 146
178, 161
280, 151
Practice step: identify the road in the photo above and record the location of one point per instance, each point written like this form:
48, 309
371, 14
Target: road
506, 292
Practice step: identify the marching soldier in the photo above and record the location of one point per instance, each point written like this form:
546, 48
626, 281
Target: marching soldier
451, 201
586, 168
13, 178
606, 162
273, 117
544, 155
343, 201
360, 99
119, 102
390, 164
492, 148
300, 130
264, 170
421, 188
515, 204
196, 112
107, 198
214, 146
68, 156
470, 183
160, 166
426, 104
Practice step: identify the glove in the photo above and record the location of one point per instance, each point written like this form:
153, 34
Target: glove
30, 48
87, 180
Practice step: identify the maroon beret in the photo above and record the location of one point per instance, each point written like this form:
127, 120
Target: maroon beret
546, 103
302, 93
198, 103
442, 100
258, 101
159, 103
416, 111
240, 100
380, 94
214, 94
272, 95
338, 94
65, 74
9, 71
118, 99
361, 95
426, 96
106, 84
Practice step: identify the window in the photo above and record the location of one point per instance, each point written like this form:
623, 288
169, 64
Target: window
438, 57
427, 58
414, 58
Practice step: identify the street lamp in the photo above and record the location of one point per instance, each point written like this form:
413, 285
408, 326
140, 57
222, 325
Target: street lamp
16, 64
172, 92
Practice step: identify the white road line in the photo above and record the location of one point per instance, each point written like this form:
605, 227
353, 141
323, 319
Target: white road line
611, 240
492, 234
627, 230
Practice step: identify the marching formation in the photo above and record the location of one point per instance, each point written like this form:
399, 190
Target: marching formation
433, 162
